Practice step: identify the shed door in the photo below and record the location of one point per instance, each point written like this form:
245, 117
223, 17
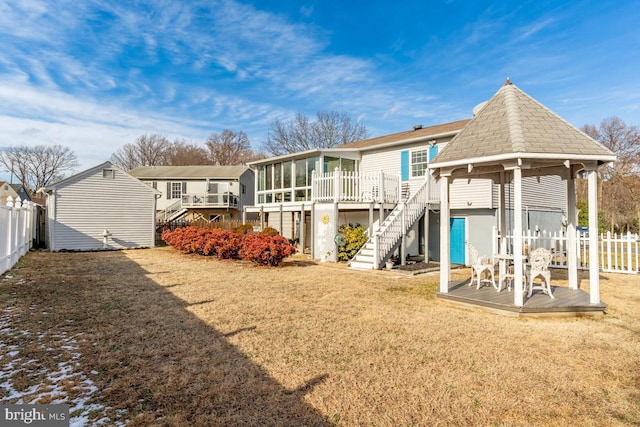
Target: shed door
457, 233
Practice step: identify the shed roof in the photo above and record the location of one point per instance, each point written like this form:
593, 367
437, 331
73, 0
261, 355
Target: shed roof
188, 172
513, 125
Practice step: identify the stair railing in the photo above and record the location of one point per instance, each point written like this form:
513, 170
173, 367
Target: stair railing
399, 221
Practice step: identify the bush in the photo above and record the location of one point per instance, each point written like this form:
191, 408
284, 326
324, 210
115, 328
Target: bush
223, 243
244, 229
188, 239
262, 249
269, 231
355, 236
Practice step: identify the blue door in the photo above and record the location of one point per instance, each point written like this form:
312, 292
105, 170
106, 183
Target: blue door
457, 234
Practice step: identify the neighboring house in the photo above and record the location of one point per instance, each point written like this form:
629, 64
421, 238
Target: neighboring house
7, 190
199, 192
383, 183
100, 208
22, 192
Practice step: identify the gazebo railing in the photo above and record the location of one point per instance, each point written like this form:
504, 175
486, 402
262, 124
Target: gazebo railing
618, 253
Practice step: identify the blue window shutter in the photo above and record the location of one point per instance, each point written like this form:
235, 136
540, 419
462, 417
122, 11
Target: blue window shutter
433, 152
404, 164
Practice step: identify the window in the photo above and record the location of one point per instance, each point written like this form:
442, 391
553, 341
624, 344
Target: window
419, 160
176, 190
286, 174
277, 176
108, 173
261, 178
268, 177
301, 170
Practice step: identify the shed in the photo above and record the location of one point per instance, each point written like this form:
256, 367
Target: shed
100, 208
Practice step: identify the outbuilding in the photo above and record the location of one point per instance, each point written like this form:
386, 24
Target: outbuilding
100, 208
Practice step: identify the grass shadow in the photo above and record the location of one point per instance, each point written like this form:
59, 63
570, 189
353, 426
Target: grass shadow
147, 353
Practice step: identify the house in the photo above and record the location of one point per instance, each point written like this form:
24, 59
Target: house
100, 208
22, 192
199, 192
7, 190
383, 183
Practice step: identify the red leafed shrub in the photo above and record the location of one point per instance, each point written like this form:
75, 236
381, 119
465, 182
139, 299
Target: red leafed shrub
223, 243
188, 239
266, 250
260, 249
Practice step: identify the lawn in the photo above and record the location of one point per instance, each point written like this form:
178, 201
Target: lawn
154, 337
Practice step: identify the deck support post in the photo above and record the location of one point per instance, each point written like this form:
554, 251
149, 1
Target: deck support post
445, 235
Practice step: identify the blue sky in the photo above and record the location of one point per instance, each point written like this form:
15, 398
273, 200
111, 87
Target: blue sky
94, 75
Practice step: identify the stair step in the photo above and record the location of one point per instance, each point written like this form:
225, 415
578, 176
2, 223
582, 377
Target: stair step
361, 265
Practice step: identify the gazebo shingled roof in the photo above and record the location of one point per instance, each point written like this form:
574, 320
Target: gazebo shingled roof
514, 125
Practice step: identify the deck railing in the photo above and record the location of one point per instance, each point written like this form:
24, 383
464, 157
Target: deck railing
351, 186
224, 200
618, 253
210, 200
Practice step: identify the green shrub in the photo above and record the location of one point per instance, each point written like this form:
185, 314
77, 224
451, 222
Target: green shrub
355, 236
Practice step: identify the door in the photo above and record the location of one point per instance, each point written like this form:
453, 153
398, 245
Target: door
457, 234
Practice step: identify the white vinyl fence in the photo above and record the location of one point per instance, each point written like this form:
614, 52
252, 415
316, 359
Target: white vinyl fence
17, 228
618, 253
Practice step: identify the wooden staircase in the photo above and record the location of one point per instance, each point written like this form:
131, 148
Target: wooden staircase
386, 239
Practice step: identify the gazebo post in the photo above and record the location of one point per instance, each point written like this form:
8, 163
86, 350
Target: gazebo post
502, 221
572, 219
518, 297
445, 235
594, 271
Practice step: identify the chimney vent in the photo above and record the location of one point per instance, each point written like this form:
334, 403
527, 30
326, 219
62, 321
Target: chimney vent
416, 127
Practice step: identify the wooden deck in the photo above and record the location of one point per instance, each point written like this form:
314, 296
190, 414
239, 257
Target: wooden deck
567, 302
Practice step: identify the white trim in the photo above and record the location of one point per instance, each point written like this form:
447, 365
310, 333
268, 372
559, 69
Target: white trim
518, 156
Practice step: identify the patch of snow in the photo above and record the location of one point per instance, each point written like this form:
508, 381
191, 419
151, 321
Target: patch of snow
52, 389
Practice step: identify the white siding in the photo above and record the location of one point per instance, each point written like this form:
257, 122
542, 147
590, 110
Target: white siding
85, 205
550, 193
381, 160
473, 194
248, 198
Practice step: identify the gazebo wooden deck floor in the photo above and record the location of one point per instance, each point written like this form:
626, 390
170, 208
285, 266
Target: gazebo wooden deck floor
567, 302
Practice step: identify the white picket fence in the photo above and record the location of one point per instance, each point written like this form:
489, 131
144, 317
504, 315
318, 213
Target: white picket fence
618, 253
17, 230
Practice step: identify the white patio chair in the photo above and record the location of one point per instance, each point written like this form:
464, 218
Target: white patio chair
539, 261
480, 265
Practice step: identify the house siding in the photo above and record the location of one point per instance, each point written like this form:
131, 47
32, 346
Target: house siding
88, 204
548, 194
471, 194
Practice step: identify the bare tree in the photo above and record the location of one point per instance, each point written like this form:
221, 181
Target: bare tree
182, 153
621, 206
229, 148
39, 165
330, 129
148, 150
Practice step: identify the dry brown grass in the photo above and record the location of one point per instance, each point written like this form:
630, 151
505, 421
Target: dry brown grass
186, 340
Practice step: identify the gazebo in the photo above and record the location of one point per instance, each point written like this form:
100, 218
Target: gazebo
511, 137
